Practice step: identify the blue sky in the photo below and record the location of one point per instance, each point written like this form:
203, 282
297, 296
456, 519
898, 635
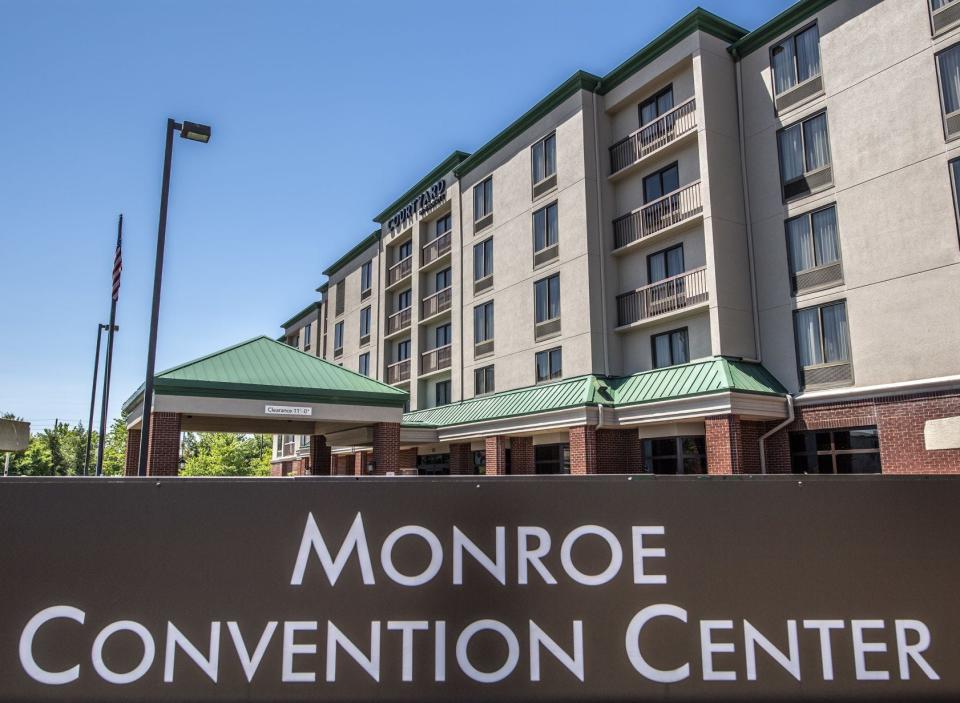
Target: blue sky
322, 114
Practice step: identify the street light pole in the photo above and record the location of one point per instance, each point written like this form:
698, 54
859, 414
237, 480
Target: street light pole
195, 132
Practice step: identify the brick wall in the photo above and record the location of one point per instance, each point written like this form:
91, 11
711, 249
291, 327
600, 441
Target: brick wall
163, 452
461, 459
408, 462
583, 450
724, 449
386, 447
521, 456
496, 455
619, 452
132, 456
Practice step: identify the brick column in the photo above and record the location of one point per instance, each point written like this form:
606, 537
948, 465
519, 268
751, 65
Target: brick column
386, 447
132, 457
319, 455
163, 454
496, 455
619, 452
724, 444
408, 462
521, 455
461, 460
583, 449
359, 463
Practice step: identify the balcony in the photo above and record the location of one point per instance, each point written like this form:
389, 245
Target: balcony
436, 303
398, 372
674, 294
682, 205
653, 137
399, 271
398, 321
435, 250
435, 360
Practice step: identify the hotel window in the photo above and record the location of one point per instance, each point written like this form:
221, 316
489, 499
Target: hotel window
795, 63
544, 162
483, 265
547, 306
483, 203
944, 14
366, 272
483, 328
441, 394
403, 350
338, 339
675, 455
405, 250
658, 184
823, 345
365, 325
443, 335
404, 298
442, 279
670, 348
307, 334
955, 179
443, 225
549, 364
483, 380
551, 458
804, 150
948, 66
545, 234
843, 451
665, 264
363, 366
813, 248
341, 295
656, 106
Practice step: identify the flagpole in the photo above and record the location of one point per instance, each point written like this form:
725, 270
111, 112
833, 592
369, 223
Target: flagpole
108, 363
93, 396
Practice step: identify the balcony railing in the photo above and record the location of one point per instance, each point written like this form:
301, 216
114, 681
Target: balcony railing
435, 359
672, 208
398, 320
670, 294
398, 371
433, 250
437, 303
665, 129
399, 270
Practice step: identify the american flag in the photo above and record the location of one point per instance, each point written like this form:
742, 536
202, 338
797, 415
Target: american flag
117, 262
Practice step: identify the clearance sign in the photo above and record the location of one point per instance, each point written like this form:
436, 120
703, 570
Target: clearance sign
561, 589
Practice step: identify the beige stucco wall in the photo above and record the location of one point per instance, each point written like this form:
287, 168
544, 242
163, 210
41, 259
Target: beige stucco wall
352, 349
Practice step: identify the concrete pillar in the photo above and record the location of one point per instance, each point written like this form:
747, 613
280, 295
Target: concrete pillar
319, 455
163, 454
583, 449
386, 447
133, 453
496, 455
521, 456
461, 459
724, 444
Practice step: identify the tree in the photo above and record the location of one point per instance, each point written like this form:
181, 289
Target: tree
54, 452
115, 448
225, 454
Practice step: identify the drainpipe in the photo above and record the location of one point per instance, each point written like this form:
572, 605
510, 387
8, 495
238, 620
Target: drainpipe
763, 456
462, 277
603, 252
746, 216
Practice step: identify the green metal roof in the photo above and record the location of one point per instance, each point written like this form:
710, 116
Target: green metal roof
303, 313
786, 20
265, 369
354, 252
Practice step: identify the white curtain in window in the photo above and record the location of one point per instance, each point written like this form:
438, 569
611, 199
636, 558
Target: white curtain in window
675, 261
658, 267
835, 340
950, 79
815, 142
791, 154
801, 245
825, 238
678, 342
661, 350
784, 76
808, 54
552, 231
808, 337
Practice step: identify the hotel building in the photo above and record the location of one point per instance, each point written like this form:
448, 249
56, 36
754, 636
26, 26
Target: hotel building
736, 252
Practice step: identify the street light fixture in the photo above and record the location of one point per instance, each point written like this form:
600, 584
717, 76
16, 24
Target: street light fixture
198, 133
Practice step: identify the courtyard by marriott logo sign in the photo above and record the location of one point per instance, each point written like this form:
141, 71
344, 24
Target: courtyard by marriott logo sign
423, 203
418, 612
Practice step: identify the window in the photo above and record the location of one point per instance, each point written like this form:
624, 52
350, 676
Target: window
545, 230
948, 66
341, 295
551, 458
664, 264
483, 380
483, 323
804, 150
338, 339
675, 455
483, 201
403, 350
443, 225
365, 325
955, 177
822, 340
944, 14
656, 105
547, 292
841, 451
483, 259
544, 157
404, 299
405, 250
796, 59
364, 364
366, 272
307, 334
812, 244
433, 464
670, 348
442, 393
443, 336
549, 364
442, 279
658, 184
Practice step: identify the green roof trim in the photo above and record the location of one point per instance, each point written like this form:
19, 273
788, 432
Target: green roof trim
351, 255
264, 369
303, 313
443, 167
581, 80
785, 21
697, 20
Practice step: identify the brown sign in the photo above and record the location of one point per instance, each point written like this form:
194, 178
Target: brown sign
555, 589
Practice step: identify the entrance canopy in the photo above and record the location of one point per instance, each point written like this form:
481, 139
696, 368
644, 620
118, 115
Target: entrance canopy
265, 386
